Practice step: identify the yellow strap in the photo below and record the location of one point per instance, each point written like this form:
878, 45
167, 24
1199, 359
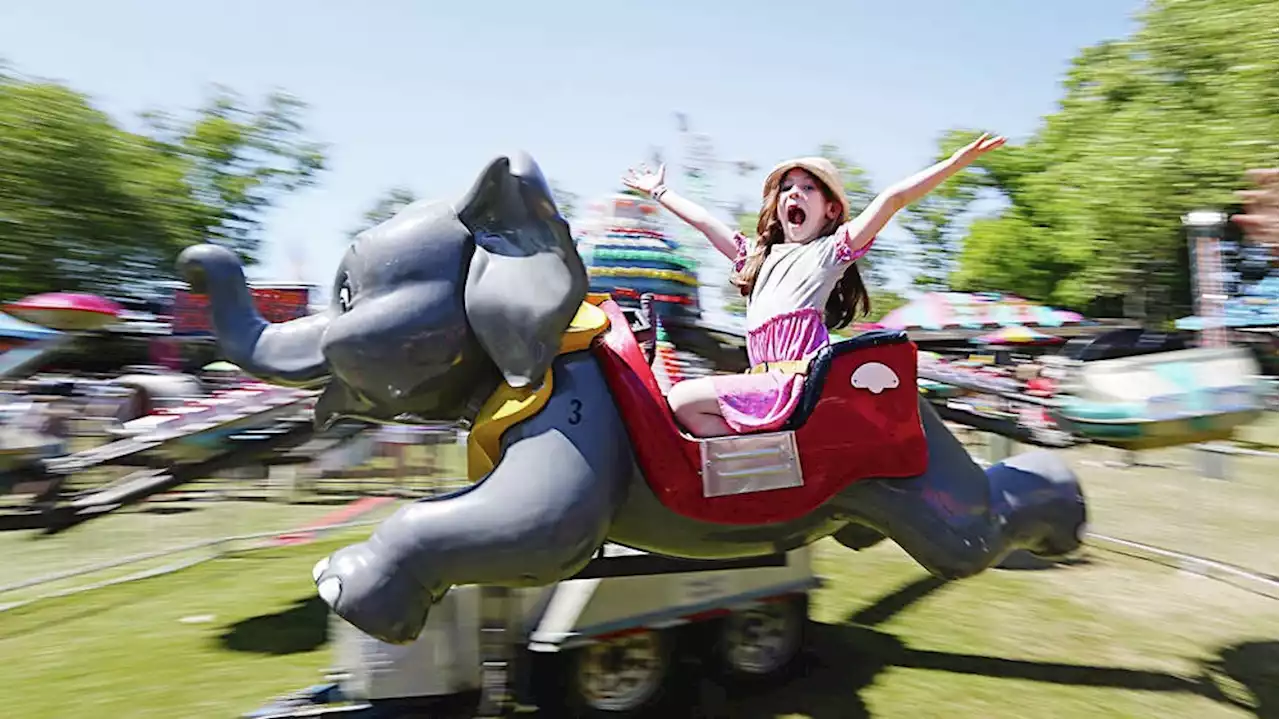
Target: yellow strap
505, 408
786, 366
508, 406
590, 322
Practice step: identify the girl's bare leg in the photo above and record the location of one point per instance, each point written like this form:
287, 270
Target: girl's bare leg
697, 409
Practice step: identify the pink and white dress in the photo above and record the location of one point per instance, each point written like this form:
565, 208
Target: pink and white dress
784, 323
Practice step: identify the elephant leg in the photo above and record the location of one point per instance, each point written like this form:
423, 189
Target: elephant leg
537, 518
956, 520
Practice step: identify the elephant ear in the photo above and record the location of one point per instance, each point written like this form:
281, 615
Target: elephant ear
526, 280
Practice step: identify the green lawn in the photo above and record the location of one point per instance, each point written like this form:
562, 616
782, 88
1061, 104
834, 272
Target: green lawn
1164, 500
1232, 520
138, 530
1110, 637
211, 641
1263, 434
1107, 637
1104, 636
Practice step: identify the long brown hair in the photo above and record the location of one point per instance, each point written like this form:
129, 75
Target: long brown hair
848, 299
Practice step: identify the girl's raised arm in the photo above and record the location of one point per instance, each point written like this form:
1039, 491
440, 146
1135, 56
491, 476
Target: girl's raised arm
867, 225
652, 184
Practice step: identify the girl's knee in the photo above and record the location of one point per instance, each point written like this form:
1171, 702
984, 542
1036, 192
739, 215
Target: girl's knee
695, 395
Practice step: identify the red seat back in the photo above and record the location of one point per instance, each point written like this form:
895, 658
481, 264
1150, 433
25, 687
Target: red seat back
852, 433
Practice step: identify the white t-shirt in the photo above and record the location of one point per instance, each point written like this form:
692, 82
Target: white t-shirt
797, 276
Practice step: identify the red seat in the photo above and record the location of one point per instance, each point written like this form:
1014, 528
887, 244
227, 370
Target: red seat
848, 432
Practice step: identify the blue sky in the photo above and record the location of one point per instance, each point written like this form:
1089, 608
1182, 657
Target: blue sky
423, 93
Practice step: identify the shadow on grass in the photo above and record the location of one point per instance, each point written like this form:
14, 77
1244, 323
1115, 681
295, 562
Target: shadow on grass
844, 659
1024, 561
1253, 667
165, 509
303, 627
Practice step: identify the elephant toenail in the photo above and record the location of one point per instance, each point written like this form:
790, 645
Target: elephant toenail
319, 569
330, 589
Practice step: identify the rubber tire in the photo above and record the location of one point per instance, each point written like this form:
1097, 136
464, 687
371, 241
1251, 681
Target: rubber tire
556, 693
797, 609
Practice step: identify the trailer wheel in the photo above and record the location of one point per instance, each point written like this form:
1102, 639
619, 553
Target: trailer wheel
625, 676
763, 642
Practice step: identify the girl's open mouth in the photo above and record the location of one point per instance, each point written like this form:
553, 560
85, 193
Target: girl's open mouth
795, 215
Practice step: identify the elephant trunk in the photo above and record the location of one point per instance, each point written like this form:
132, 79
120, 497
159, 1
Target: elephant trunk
537, 518
957, 520
283, 353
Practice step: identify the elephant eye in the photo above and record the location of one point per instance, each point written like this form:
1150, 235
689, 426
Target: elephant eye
344, 296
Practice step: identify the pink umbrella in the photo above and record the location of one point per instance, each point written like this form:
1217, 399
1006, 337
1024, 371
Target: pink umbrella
1017, 335
66, 311
971, 311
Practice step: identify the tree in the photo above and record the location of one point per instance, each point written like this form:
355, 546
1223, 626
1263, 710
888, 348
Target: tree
932, 221
83, 204
1150, 128
383, 209
241, 161
857, 185
86, 205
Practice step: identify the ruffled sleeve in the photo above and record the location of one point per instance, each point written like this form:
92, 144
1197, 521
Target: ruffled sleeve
841, 253
744, 246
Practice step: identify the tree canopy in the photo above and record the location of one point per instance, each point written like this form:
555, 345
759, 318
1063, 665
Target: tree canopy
1150, 127
87, 205
383, 209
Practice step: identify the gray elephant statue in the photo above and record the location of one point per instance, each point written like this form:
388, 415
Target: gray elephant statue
478, 312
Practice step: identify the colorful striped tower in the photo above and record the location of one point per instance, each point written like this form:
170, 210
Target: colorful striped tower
628, 254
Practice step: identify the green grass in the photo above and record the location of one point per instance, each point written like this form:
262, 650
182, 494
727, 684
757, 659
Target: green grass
1110, 637
149, 527
1107, 636
1164, 500
1263, 434
1232, 520
253, 626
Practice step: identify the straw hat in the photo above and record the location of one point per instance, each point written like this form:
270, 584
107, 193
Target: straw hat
821, 168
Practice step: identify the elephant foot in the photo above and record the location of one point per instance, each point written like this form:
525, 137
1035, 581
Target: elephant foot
380, 599
1039, 503
957, 521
